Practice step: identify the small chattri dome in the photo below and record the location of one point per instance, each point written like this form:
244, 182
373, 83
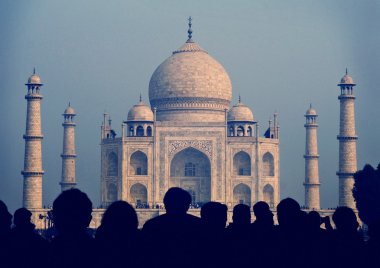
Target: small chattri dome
240, 112
311, 111
346, 79
140, 112
34, 79
69, 110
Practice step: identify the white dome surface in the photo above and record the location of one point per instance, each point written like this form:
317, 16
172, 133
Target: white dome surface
190, 79
140, 112
240, 112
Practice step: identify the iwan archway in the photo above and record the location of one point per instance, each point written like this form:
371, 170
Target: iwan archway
190, 169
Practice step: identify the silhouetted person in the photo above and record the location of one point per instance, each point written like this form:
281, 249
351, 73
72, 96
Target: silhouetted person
347, 243
214, 237
72, 247
264, 216
117, 238
241, 216
239, 239
317, 239
262, 234
290, 240
26, 244
171, 238
5, 233
214, 215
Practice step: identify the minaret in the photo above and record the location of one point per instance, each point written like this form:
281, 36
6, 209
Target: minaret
32, 188
68, 153
311, 161
347, 142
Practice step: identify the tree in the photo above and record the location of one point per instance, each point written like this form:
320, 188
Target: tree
366, 192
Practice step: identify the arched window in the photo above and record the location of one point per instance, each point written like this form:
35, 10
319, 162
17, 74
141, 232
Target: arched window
268, 194
268, 164
149, 131
242, 164
140, 131
240, 131
242, 194
131, 131
112, 169
139, 195
231, 131
189, 170
138, 164
249, 131
112, 192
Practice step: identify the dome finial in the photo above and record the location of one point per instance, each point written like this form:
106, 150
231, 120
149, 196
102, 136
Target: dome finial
34, 70
140, 98
239, 98
346, 71
190, 31
69, 104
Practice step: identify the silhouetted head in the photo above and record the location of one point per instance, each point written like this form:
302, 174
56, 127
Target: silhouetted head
289, 213
314, 219
120, 217
72, 211
263, 213
214, 214
345, 220
177, 201
22, 219
5, 217
241, 215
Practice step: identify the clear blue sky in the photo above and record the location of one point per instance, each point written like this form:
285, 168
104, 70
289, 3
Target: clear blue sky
280, 55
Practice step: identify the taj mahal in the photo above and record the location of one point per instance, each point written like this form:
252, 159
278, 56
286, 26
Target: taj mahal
191, 136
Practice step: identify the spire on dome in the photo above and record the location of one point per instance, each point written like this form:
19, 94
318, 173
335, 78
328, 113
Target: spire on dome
140, 98
346, 71
190, 31
34, 70
239, 98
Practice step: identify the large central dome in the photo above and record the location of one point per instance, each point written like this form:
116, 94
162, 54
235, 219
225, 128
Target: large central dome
190, 83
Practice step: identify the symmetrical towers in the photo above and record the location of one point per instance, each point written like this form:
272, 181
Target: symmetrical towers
32, 188
312, 198
347, 142
68, 153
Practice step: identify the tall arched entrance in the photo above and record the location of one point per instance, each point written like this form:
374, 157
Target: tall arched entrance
190, 169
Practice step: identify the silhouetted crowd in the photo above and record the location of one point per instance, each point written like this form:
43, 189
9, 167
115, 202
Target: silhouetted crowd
178, 239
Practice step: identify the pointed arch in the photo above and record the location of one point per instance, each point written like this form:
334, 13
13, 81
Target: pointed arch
149, 131
112, 192
242, 164
138, 195
140, 131
268, 194
112, 167
268, 165
242, 194
138, 164
240, 131
249, 131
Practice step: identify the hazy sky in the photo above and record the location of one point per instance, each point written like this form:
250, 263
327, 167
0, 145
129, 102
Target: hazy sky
280, 55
